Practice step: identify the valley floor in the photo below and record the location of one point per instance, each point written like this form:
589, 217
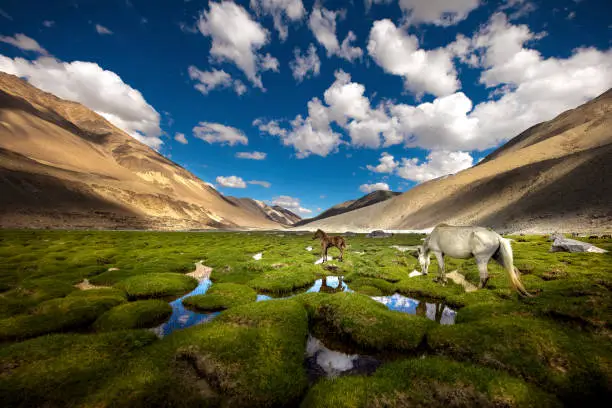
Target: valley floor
81, 311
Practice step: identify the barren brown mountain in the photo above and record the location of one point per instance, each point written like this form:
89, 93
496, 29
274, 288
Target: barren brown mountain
64, 166
556, 175
368, 199
275, 213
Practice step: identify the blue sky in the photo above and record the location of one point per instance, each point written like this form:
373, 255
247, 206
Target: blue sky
389, 93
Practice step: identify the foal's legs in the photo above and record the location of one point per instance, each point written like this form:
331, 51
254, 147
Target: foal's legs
323, 251
441, 272
341, 253
482, 262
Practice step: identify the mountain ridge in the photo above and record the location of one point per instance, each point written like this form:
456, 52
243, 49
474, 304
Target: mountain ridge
56, 153
553, 176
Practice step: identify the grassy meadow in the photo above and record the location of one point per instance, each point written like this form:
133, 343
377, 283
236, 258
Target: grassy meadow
61, 346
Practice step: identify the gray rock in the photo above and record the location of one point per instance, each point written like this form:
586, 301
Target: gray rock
562, 244
379, 234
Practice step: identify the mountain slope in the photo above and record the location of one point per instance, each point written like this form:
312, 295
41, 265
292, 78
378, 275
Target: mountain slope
554, 176
62, 165
368, 199
260, 209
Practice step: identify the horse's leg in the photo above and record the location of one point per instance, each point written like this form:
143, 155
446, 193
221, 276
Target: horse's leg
323, 250
341, 253
482, 262
441, 272
326, 248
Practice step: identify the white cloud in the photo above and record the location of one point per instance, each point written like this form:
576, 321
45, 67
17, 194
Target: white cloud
281, 11
218, 133
303, 65
438, 12
231, 182
272, 127
49, 23
101, 91
398, 53
237, 38
264, 184
180, 137
387, 164
517, 8
24, 42
103, 30
251, 155
5, 15
368, 188
269, 63
438, 164
322, 23
209, 80
368, 3
290, 203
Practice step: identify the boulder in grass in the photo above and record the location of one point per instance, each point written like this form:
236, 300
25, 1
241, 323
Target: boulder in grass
379, 234
562, 244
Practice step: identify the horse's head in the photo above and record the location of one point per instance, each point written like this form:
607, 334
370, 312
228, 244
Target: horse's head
423, 256
318, 234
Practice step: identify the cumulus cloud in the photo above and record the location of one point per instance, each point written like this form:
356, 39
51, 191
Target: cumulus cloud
271, 127
180, 137
322, 23
303, 65
438, 164
100, 90
210, 80
218, 133
103, 30
237, 38
290, 203
398, 53
438, 12
24, 42
387, 164
264, 184
281, 12
368, 188
251, 155
231, 182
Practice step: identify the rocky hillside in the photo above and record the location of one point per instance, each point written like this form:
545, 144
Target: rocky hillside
260, 209
64, 166
553, 176
368, 199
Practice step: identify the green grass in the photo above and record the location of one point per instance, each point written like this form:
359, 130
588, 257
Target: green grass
431, 382
221, 296
63, 314
156, 285
361, 321
135, 315
503, 350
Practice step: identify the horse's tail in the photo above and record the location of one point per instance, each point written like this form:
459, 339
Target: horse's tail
505, 250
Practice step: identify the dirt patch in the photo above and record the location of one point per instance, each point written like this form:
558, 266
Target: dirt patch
459, 279
201, 271
85, 285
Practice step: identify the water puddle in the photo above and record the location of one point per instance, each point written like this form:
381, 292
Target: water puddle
182, 317
437, 312
323, 362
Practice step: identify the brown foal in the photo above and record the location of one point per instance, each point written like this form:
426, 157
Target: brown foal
328, 242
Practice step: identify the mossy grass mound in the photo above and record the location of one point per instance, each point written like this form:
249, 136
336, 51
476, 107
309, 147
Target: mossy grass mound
285, 279
157, 285
566, 362
134, 315
63, 314
221, 296
252, 355
31, 292
102, 292
64, 369
363, 322
430, 382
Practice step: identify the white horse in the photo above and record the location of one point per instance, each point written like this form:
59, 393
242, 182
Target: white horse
466, 242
